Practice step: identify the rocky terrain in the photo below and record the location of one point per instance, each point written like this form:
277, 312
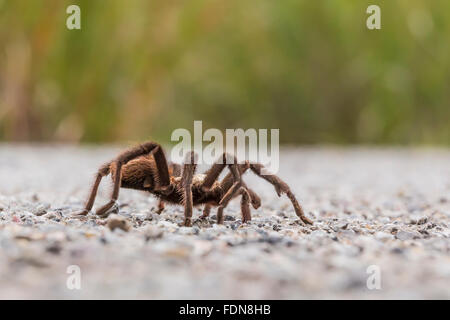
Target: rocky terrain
382, 213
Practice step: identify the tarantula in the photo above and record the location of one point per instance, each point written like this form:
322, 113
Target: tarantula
145, 168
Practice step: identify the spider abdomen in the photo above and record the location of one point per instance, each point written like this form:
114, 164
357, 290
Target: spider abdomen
138, 174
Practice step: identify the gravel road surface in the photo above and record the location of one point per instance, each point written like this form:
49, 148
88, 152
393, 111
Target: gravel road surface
382, 230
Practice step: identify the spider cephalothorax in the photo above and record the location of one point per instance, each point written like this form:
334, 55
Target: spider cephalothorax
145, 168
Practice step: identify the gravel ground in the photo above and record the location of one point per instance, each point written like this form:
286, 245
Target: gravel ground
388, 208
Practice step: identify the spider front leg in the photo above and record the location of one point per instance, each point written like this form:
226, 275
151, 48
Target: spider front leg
245, 207
233, 181
227, 182
234, 191
281, 187
206, 211
226, 199
230, 194
214, 172
186, 182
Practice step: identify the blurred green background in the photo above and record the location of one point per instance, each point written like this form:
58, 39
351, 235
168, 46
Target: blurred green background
139, 69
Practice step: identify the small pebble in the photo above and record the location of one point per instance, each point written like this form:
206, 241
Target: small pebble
41, 209
115, 221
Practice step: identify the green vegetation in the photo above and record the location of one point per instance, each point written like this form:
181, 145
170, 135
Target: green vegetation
138, 69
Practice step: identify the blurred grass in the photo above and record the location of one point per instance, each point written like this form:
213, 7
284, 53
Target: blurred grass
138, 69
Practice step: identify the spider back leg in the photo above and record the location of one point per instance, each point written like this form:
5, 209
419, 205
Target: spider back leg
128, 155
102, 172
118, 163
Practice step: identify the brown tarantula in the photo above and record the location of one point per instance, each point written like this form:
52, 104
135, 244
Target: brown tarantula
145, 168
